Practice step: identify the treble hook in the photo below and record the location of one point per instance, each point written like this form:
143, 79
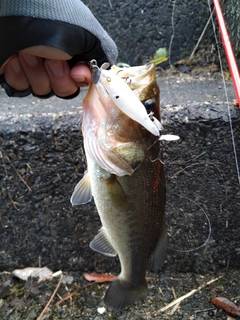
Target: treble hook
96, 71
159, 156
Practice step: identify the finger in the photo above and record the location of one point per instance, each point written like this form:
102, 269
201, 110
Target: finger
47, 52
35, 72
81, 74
59, 74
15, 75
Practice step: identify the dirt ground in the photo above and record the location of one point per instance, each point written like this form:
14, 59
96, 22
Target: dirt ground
42, 160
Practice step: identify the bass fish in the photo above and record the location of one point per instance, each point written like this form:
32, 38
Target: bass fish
125, 175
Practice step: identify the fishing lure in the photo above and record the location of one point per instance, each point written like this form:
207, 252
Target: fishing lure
123, 97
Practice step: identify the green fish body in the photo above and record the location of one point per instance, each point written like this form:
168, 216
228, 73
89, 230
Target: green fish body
126, 179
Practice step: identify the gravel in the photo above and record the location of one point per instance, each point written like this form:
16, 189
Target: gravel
42, 159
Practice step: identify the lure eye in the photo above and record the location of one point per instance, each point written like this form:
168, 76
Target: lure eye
108, 79
149, 105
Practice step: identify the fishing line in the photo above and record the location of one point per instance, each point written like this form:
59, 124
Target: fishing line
149, 154
226, 94
209, 228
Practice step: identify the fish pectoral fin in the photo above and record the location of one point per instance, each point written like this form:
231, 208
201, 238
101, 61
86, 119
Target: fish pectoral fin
128, 156
102, 245
82, 192
159, 253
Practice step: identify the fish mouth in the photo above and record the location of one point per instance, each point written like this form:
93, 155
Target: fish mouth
138, 75
117, 124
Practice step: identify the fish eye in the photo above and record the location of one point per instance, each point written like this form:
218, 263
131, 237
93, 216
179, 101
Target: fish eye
108, 79
150, 105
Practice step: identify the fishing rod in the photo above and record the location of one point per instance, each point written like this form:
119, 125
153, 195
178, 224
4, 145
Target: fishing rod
228, 50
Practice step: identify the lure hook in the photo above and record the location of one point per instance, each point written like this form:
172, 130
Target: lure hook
96, 71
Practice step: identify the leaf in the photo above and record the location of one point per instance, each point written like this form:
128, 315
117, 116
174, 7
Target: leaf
102, 277
236, 103
160, 56
227, 305
40, 273
99, 277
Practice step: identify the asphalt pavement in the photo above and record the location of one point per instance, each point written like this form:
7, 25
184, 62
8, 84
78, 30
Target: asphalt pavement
183, 98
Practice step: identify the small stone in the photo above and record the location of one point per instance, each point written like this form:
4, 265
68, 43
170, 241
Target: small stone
68, 280
101, 310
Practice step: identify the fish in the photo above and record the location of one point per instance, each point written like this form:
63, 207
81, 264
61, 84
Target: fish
121, 129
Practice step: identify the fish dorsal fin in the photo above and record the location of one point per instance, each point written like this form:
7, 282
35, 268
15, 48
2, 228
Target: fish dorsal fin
82, 192
159, 253
102, 245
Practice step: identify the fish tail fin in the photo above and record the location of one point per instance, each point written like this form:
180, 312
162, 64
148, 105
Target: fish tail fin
122, 294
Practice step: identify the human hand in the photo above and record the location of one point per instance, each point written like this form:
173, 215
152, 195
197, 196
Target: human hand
47, 75
43, 43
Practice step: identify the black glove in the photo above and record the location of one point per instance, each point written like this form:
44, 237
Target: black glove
64, 24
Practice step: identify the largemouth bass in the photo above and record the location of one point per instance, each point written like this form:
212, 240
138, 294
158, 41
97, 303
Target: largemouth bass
125, 175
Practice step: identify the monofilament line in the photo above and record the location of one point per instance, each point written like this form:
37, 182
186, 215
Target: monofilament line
209, 228
226, 94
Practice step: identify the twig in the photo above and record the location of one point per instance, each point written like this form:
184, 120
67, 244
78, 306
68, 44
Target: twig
201, 36
50, 300
173, 34
75, 292
19, 175
5, 169
198, 156
174, 309
70, 295
174, 293
110, 3
228, 262
177, 301
204, 310
160, 290
11, 199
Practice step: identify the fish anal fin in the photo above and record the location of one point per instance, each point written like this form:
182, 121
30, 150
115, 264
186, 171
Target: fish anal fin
102, 245
82, 192
160, 251
121, 294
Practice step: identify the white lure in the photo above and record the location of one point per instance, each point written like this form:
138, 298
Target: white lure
126, 100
